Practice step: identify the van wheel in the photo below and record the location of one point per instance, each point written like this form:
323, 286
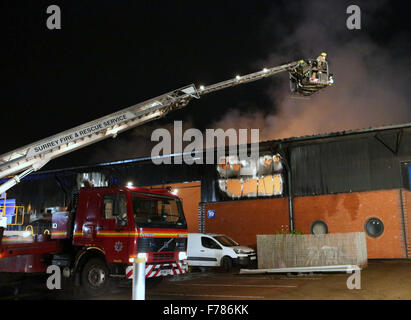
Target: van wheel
226, 263
95, 277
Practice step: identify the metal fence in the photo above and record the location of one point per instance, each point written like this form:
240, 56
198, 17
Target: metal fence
288, 250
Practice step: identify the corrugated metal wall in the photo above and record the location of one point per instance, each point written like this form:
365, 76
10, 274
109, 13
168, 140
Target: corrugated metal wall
331, 164
338, 163
344, 166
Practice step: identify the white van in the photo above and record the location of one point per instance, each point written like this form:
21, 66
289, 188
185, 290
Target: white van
217, 250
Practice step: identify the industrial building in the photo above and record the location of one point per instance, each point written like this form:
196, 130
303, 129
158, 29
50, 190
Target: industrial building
339, 182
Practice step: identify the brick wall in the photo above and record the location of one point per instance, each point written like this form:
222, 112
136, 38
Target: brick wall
347, 212
242, 220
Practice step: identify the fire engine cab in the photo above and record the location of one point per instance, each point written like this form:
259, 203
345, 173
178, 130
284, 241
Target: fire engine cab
96, 238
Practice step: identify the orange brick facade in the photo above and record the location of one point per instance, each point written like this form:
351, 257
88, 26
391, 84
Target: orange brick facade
242, 220
346, 212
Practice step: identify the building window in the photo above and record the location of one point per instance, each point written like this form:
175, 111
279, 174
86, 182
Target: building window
374, 227
319, 227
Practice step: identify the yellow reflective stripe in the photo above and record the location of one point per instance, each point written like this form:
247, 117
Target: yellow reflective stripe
114, 234
104, 233
133, 234
58, 234
17, 239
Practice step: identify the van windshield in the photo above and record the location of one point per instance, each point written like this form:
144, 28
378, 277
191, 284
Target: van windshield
157, 210
226, 241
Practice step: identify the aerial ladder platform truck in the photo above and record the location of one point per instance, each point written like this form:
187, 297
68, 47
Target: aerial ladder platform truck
105, 228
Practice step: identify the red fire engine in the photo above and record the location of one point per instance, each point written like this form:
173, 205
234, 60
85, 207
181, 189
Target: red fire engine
102, 231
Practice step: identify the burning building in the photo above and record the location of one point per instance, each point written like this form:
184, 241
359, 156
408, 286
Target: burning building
339, 182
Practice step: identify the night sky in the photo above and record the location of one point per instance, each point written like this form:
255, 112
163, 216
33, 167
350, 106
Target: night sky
112, 54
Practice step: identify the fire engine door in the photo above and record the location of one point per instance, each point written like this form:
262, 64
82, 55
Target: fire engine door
114, 230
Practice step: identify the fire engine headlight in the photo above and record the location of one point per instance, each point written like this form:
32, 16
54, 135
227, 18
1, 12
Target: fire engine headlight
182, 255
141, 257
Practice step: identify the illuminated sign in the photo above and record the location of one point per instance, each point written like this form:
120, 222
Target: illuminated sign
211, 214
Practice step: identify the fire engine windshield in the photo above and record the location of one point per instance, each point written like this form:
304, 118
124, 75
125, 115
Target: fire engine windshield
153, 210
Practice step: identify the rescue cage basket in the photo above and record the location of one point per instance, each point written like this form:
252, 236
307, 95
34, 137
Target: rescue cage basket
309, 77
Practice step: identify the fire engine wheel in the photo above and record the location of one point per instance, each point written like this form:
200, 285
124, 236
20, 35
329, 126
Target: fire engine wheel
226, 263
95, 277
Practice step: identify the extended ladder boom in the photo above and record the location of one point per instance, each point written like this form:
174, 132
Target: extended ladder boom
34, 156
266, 72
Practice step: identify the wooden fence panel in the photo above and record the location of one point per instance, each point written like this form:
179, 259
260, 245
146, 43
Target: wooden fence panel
288, 250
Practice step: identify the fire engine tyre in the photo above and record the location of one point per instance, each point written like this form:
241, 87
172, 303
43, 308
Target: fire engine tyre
95, 277
226, 263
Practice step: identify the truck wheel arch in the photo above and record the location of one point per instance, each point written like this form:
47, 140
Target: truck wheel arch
85, 254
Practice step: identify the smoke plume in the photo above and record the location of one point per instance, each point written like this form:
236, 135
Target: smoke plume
370, 80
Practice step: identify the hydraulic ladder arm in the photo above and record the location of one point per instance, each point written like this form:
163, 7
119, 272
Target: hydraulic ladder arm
21, 162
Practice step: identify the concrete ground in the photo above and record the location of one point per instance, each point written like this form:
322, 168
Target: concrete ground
382, 279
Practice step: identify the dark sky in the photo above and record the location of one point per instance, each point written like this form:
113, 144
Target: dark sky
112, 54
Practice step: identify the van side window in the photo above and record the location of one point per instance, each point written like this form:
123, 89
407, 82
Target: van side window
209, 243
115, 206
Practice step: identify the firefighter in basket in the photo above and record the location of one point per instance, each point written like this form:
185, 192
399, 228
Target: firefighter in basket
318, 65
